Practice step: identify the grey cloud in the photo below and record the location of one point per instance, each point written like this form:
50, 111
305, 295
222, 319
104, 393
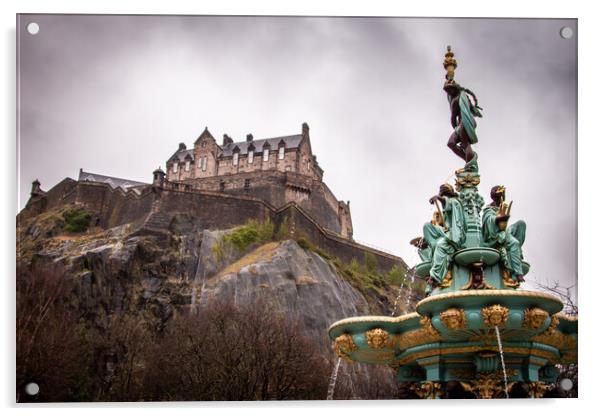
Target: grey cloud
116, 94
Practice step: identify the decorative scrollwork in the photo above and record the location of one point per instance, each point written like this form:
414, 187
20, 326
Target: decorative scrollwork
426, 334
486, 385
425, 323
428, 390
343, 345
538, 389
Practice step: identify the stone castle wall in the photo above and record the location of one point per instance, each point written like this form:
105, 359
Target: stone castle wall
278, 189
216, 210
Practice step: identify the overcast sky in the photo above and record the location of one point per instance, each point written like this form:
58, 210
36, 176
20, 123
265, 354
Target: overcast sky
116, 94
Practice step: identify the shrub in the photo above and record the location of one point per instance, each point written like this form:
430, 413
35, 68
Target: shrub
305, 244
397, 275
77, 220
252, 232
283, 230
370, 261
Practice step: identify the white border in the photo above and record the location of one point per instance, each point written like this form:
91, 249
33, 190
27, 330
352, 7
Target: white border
589, 213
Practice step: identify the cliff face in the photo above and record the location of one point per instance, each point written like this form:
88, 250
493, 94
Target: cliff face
175, 266
171, 270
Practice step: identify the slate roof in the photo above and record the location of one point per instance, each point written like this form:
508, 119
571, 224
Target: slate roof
111, 180
290, 142
181, 155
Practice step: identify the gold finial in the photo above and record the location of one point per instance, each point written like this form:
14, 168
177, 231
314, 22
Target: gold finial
450, 65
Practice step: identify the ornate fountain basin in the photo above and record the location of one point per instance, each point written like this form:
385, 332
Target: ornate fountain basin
468, 256
454, 331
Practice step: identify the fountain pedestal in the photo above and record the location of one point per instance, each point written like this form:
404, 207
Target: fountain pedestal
476, 330
453, 335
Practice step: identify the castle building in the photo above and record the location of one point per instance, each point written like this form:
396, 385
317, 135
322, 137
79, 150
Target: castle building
278, 170
222, 186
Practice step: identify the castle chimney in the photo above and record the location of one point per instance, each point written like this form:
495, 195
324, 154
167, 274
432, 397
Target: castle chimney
227, 140
182, 146
249, 137
305, 129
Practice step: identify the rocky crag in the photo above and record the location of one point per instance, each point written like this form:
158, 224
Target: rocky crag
173, 265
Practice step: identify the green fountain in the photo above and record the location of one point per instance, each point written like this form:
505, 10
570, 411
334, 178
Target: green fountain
476, 329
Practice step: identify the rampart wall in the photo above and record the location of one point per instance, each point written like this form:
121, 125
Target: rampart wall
216, 210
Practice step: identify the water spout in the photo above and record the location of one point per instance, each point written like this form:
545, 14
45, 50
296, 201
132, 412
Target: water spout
333, 379
397, 298
499, 345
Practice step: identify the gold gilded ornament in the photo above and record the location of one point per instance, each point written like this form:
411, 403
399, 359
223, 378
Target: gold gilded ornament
424, 335
538, 389
508, 280
447, 280
377, 338
534, 318
495, 315
454, 318
343, 345
428, 390
486, 385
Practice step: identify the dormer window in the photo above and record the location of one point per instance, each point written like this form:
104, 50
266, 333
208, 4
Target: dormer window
235, 159
250, 157
175, 167
266, 154
187, 166
281, 152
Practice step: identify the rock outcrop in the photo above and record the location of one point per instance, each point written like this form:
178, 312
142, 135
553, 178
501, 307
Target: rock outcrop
177, 266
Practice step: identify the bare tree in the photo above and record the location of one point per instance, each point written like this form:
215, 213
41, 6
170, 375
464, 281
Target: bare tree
48, 337
236, 353
566, 371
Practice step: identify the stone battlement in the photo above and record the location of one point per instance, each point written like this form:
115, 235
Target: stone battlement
151, 208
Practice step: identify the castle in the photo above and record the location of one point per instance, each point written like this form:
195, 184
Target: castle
223, 186
278, 170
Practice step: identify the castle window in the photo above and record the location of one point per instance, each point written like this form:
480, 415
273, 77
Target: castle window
247, 184
250, 157
235, 159
187, 165
175, 167
204, 163
266, 154
222, 185
281, 152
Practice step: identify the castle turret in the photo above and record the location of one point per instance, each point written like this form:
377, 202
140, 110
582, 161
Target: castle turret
35, 188
158, 178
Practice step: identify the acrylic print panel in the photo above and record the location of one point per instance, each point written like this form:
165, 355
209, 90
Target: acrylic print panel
295, 208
